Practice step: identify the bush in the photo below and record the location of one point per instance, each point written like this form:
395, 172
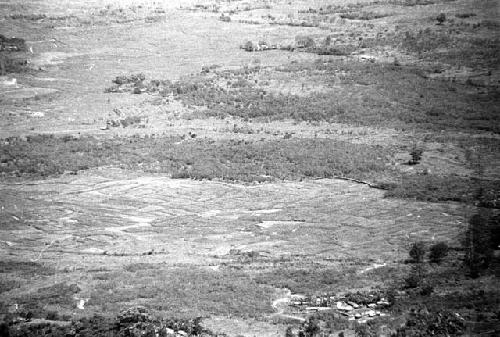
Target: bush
417, 252
438, 252
415, 278
412, 281
422, 323
362, 330
52, 315
304, 41
427, 290
332, 321
225, 18
464, 15
311, 327
441, 18
416, 155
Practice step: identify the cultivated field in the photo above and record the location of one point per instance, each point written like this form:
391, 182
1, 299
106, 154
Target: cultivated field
250, 168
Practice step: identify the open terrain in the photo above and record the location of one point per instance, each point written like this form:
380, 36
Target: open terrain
250, 168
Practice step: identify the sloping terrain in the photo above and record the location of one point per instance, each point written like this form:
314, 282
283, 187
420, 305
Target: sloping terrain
249, 168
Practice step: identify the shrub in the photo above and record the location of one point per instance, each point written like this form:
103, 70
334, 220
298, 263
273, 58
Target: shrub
422, 323
441, 18
417, 252
464, 15
427, 290
362, 330
332, 321
52, 315
416, 155
134, 78
311, 327
304, 41
412, 281
415, 278
438, 252
334, 50
225, 18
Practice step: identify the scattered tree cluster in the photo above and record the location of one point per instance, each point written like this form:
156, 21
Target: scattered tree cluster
437, 252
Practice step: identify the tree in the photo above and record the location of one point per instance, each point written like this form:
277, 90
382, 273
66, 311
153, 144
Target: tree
417, 251
438, 252
416, 155
441, 18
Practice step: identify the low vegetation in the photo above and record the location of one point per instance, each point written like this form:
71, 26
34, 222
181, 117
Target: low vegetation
135, 321
438, 252
198, 159
447, 43
416, 155
436, 104
417, 252
249, 161
168, 291
415, 103
429, 187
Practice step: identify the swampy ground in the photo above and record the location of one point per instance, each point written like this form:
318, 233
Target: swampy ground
215, 158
